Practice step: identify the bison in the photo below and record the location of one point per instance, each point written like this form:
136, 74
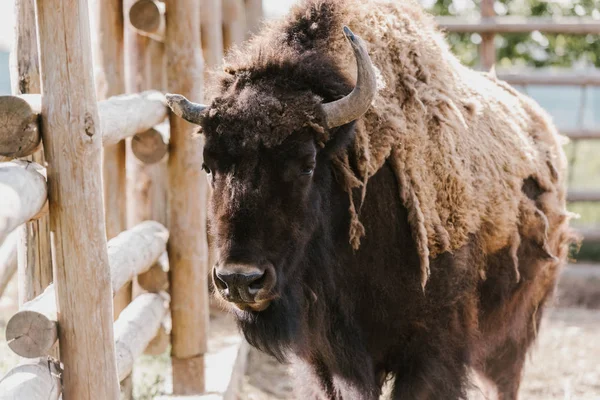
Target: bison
379, 211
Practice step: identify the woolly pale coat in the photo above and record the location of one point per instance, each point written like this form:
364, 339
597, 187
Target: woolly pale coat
461, 142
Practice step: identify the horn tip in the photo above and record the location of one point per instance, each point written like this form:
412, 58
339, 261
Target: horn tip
348, 33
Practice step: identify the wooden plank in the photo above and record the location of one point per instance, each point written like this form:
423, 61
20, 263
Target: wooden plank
23, 194
33, 329
187, 247
516, 24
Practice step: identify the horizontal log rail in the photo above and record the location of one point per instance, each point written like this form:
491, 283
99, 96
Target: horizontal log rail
120, 117
581, 134
8, 260
32, 331
583, 196
589, 235
32, 380
148, 18
135, 328
533, 77
516, 24
23, 194
138, 324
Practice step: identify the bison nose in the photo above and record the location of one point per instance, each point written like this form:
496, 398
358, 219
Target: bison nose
237, 284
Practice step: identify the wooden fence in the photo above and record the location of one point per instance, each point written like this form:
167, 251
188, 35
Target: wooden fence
115, 182
488, 25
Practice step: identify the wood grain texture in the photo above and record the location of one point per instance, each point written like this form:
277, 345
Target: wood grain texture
72, 144
107, 51
212, 33
32, 379
254, 15
137, 325
234, 23
8, 260
23, 194
32, 331
125, 115
187, 247
34, 248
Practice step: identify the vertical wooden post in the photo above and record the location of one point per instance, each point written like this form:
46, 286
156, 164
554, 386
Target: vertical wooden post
212, 32
487, 50
107, 49
187, 247
72, 144
254, 15
34, 252
234, 23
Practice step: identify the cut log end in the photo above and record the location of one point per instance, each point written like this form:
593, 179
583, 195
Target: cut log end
150, 147
148, 17
19, 131
30, 333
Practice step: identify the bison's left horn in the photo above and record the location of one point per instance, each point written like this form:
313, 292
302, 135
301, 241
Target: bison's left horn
354, 105
182, 107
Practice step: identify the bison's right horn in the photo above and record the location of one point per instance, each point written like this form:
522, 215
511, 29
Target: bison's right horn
182, 107
354, 105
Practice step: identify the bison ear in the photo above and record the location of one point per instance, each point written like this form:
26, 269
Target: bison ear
341, 138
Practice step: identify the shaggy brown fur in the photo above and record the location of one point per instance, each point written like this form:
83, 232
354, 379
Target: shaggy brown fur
477, 176
461, 141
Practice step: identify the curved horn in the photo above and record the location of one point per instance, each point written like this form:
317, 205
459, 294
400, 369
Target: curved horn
182, 107
354, 105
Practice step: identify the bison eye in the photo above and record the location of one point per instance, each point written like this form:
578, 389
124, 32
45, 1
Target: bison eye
307, 170
205, 168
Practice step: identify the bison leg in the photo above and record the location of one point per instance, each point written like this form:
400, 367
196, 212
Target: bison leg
432, 379
504, 368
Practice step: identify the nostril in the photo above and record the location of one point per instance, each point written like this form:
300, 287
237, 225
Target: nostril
218, 280
257, 283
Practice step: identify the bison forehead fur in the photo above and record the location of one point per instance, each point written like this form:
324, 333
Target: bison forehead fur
417, 242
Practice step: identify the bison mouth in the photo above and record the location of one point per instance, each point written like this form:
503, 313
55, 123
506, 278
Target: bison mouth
247, 287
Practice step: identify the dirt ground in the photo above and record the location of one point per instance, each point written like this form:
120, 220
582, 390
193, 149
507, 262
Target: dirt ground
564, 363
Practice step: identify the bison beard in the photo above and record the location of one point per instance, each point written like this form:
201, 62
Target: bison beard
415, 243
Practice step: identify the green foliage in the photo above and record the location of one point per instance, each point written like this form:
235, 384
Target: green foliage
523, 49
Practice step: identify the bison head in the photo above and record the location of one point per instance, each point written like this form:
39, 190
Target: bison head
269, 139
